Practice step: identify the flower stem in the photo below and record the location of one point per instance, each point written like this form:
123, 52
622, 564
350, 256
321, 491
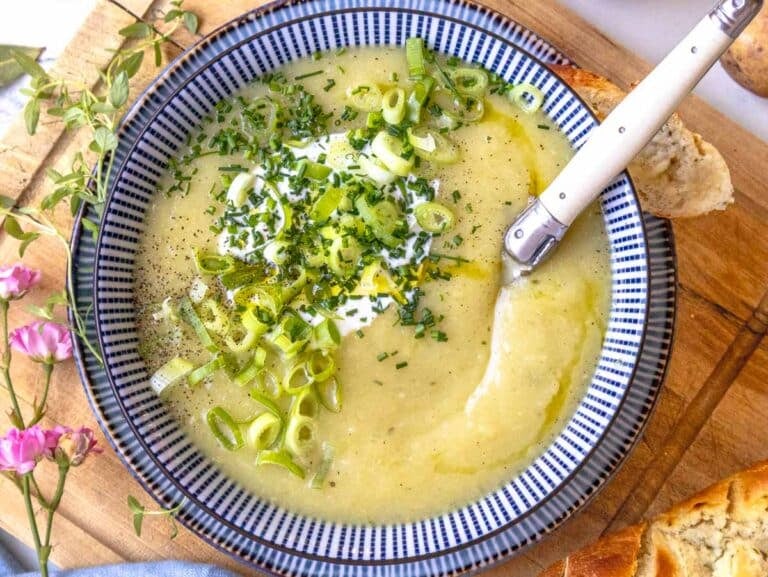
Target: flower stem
63, 470
16, 415
40, 407
42, 555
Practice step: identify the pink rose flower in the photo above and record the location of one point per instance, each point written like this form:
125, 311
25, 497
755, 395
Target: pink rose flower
44, 341
21, 450
78, 444
16, 280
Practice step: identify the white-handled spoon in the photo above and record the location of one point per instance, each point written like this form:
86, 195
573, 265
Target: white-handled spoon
610, 148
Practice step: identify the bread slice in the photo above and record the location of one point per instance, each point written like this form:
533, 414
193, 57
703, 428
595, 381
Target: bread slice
678, 174
720, 532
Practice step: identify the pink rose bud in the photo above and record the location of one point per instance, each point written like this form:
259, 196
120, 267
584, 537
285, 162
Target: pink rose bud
21, 449
44, 341
78, 444
16, 280
52, 437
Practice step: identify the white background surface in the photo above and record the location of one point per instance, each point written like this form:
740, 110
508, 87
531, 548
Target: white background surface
648, 27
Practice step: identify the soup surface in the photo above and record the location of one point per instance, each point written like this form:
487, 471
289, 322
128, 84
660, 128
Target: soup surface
448, 385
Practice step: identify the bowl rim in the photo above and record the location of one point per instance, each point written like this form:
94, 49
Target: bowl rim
260, 12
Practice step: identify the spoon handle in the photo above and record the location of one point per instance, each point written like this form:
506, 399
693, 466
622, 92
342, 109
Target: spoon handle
624, 133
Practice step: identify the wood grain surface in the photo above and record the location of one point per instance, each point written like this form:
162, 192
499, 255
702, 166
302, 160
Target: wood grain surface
712, 415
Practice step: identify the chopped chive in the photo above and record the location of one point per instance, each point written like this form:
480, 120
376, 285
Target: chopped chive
382, 356
308, 75
402, 365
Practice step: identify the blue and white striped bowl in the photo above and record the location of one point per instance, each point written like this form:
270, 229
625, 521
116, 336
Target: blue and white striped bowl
597, 438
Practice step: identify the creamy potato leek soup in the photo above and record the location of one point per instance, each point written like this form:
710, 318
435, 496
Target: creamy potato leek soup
319, 286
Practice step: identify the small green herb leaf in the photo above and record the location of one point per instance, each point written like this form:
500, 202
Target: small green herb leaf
190, 21
10, 69
14, 230
118, 92
172, 15
7, 201
138, 514
136, 30
132, 63
31, 115
27, 63
104, 140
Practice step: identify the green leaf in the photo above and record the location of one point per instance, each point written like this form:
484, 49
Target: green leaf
27, 63
138, 513
104, 140
132, 63
172, 15
10, 69
118, 92
136, 30
190, 21
102, 107
158, 54
74, 116
7, 201
40, 312
91, 227
32, 115
31, 237
13, 228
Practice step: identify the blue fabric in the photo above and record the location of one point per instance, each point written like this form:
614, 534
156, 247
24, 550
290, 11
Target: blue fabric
9, 567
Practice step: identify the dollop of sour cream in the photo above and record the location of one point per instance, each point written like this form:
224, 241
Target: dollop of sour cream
358, 311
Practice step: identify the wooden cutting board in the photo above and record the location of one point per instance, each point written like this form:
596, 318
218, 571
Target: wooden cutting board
712, 418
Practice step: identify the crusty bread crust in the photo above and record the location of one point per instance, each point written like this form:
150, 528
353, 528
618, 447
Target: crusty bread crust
678, 174
719, 532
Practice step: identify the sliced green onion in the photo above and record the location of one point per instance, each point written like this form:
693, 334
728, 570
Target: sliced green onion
389, 150
526, 97
305, 403
376, 280
288, 292
469, 81
326, 204
297, 378
203, 372
320, 365
268, 383
433, 146
434, 217
313, 170
241, 186
263, 431
170, 373
318, 479
414, 54
241, 340
384, 218
375, 170
189, 315
417, 98
374, 119
214, 263
343, 255
456, 110
393, 105
224, 429
217, 321
329, 393
300, 435
252, 368
366, 98
282, 459
292, 335
325, 335
260, 297
267, 403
